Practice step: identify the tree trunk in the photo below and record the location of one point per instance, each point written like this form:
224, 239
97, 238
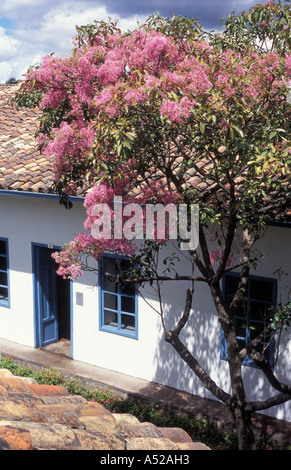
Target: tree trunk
241, 416
244, 428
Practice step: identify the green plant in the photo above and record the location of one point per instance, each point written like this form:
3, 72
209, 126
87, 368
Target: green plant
105, 397
77, 387
7, 362
49, 376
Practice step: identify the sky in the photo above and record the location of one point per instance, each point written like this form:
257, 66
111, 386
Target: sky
32, 29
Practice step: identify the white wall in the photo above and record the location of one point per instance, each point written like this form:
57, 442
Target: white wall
151, 358
25, 220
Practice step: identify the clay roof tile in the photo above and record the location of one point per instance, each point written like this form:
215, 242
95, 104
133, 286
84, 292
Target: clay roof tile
45, 417
19, 152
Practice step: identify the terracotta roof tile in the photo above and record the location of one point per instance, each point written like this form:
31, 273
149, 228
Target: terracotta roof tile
24, 168
19, 153
47, 417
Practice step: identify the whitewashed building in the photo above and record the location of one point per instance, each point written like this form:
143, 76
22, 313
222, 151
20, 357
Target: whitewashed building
106, 327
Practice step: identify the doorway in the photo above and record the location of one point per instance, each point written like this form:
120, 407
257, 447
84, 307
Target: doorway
52, 296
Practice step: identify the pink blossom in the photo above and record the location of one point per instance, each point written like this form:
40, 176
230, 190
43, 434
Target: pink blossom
135, 96
109, 72
215, 256
288, 65
104, 81
175, 111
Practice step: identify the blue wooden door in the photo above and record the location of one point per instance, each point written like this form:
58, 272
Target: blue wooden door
46, 296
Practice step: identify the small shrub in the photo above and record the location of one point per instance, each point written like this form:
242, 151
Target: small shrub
76, 387
9, 364
49, 376
16, 369
105, 396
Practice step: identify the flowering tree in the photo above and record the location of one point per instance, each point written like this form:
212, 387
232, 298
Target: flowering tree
170, 114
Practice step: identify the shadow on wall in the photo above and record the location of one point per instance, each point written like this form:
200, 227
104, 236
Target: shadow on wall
258, 387
202, 336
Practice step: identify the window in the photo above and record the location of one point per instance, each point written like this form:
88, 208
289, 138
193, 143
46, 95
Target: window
118, 303
4, 273
261, 295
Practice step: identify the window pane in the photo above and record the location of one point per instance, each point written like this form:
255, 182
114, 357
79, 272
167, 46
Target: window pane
109, 267
256, 329
259, 311
3, 247
232, 284
110, 318
3, 293
111, 301
127, 289
109, 285
3, 263
3, 279
253, 313
240, 328
261, 290
118, 302
124, 265
127, 322
241, 344
242, 309
128, 304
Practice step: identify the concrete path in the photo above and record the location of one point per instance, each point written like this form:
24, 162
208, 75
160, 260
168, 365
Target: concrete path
56, 356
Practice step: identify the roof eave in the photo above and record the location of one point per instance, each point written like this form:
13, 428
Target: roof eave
10, 192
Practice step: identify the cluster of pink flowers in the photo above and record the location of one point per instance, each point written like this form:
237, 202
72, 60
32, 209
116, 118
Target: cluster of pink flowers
175, 111
215, 256
124, 71
118, 74
72, 257
69, 140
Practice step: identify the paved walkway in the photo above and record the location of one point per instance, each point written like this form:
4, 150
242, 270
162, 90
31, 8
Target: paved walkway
270, 428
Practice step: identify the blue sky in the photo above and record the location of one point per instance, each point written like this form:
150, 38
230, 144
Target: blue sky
31, 29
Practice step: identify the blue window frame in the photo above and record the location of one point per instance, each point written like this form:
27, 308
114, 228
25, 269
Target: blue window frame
252, 316
118, 303
4, 273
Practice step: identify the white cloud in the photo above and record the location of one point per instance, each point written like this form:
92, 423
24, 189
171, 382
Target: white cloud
36, 28
8, 54
8, 45
5, 71
44, 27
20, 8
59, 22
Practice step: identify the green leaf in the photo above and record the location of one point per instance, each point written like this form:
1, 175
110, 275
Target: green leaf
272, 134
202, 127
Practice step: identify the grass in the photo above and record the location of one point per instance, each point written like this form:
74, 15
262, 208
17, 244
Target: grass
199, 429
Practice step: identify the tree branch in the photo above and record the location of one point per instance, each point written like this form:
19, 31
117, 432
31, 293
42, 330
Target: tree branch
279, 386
268, 403
183, 320
240, 292
190, 360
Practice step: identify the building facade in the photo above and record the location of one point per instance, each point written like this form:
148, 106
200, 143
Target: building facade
108, 327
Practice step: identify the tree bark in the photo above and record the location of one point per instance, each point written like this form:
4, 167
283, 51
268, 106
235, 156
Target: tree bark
243, 423
238, 404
